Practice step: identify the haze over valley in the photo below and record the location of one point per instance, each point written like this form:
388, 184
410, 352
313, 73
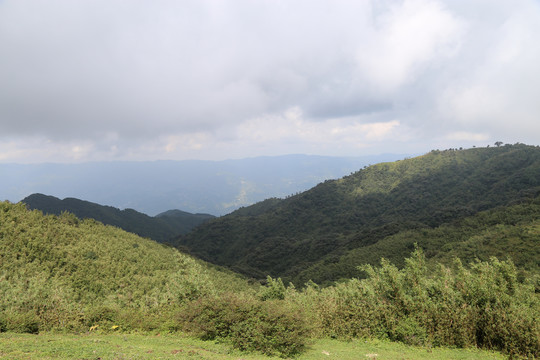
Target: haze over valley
214, 187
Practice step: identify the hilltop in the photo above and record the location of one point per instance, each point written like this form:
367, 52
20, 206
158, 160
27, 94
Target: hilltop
162, 228
324, 233
61, 272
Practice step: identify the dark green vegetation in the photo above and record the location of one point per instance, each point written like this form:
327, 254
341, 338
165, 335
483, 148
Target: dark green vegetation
473, 203
163, 227
59, 273
482, 305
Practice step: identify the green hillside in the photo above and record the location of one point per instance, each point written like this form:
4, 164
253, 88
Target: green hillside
62, 274
59, 272
505, 232
325, 232
161, 228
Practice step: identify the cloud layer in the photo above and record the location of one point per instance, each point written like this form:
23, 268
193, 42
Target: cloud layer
94, 80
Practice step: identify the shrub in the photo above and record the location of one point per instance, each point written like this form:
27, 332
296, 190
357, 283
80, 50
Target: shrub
274, 289
409, 331
483, 305
100, 314
27, 322
269, 327
3, 323
273, 329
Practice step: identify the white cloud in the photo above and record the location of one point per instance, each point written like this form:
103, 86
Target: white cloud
405, 38
338, 136
213, 79
467, 136
37, 149
500, 92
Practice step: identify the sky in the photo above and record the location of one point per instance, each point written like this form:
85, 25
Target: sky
95, 80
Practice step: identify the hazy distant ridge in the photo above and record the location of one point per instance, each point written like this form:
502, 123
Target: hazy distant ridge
214, 187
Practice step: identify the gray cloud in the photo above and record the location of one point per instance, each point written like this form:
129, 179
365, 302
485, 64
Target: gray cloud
158, 79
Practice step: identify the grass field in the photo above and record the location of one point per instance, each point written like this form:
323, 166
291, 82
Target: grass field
133, 346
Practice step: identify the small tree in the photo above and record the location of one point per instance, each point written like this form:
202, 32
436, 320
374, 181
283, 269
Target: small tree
498, 143
274, 289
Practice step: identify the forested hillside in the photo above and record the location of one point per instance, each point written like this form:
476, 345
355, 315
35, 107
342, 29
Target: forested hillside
382, 210
63, 274
162, 228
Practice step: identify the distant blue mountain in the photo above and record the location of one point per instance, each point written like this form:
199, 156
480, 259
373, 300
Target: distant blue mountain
195, 186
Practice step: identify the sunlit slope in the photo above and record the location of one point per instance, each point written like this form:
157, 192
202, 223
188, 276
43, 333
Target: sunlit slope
287, 237
62, 269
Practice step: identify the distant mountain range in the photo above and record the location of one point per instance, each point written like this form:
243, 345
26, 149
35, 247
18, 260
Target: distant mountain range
473, 203
162, 228
213, 187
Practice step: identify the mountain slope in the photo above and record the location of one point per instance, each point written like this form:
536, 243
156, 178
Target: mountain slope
66, 273
318, 227
504, 232
161, 228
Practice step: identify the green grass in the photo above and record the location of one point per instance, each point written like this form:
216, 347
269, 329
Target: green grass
135, 346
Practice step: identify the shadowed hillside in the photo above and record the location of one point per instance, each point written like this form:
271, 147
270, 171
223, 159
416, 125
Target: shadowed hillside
319, 234
161, 228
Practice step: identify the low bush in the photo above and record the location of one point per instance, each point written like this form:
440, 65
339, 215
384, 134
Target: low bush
274, 289
269, 327
483, 305
3, 324
27, 322
101, 315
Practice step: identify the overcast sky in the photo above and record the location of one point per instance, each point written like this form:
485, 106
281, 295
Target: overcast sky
86, 80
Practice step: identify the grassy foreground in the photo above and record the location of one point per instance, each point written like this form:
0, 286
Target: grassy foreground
133, 346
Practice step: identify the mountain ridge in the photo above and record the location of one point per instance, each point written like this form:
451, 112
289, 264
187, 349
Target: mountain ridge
162, 228
285, 237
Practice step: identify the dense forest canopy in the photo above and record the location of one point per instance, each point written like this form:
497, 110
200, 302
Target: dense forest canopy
162, 227
442, 200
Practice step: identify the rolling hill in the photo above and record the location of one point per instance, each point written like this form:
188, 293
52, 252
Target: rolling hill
162, 228
59, 272
324, 233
